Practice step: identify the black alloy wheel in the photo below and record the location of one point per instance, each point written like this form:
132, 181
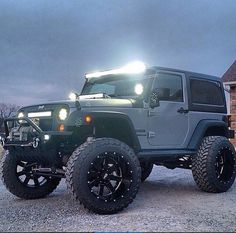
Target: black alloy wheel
225, 162
109, 176
19, 178
104, 174
26, 176
214, 165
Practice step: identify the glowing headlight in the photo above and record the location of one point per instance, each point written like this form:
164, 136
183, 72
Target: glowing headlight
138, 89
63, 114
20, 115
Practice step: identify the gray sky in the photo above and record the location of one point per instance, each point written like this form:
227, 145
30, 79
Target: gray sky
47, 46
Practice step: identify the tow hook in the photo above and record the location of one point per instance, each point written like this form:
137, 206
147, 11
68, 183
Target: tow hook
35, 142
2, 140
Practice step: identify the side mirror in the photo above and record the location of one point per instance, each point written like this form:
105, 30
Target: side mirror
154, 99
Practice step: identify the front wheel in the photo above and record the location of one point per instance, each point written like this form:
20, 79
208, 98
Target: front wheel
214, 166
104, 174
19, 179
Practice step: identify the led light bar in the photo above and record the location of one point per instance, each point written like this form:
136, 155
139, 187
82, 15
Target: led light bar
93, 96
40, 114
131, 68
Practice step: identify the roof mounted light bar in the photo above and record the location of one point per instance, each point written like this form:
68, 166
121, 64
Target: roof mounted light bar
131, 68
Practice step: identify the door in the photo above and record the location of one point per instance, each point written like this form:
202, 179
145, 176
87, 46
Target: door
168, 124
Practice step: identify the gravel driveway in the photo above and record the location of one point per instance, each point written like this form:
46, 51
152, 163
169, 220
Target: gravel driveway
167, 201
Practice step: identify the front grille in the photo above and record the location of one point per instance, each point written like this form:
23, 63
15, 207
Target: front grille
45, 124
45, 116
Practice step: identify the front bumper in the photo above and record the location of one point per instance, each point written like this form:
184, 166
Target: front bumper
39, 137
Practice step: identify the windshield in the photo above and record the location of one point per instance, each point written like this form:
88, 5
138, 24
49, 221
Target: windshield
120, 86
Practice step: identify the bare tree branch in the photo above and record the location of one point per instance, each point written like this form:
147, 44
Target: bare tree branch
6, 110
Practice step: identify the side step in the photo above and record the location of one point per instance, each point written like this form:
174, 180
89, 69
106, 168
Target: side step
164, 155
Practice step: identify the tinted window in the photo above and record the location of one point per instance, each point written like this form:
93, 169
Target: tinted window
169, 87
206, 92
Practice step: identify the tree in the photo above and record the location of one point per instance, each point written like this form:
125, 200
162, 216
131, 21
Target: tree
6, 110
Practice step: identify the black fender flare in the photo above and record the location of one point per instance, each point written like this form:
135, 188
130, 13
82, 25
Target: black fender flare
114, 115
202, 128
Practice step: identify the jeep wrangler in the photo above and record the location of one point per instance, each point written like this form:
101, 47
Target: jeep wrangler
106, 140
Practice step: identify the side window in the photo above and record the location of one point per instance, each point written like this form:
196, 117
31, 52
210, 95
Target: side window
206, 92
169, 87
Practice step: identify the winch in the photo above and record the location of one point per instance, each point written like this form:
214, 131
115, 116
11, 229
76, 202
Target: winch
23, 133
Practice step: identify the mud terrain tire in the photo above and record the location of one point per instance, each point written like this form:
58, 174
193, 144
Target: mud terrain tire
214, 166
104, 174
8, 171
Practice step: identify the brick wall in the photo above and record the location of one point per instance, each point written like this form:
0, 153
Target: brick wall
233, 99
233, 110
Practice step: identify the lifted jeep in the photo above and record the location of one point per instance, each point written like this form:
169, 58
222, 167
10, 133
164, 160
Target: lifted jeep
106, 140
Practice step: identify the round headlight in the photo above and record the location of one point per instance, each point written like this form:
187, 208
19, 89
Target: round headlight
63, 114
20, 115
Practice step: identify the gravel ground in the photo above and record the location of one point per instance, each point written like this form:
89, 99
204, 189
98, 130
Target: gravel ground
167, 201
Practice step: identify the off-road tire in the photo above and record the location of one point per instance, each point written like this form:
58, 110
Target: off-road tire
10, 180
77, 170
204, 164
146, 170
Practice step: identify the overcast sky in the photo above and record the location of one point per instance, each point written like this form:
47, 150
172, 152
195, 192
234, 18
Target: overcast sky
47, 46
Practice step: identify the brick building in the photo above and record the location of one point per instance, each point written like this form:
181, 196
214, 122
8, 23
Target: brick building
229, 79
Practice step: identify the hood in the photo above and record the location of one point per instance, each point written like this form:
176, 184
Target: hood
84, 103
124, 103
49, 105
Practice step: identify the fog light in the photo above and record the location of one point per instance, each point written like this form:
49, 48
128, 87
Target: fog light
46, 137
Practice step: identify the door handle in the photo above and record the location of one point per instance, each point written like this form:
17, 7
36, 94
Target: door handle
182, 110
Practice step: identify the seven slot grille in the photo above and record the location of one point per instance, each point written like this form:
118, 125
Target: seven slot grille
43, 119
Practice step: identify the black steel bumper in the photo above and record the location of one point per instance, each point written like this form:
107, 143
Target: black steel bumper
41, 137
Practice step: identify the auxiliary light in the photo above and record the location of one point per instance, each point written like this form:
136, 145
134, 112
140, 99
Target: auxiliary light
131, 68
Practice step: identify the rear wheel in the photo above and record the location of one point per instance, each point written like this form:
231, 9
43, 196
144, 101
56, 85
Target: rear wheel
214, 166
19, 179
104, 174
